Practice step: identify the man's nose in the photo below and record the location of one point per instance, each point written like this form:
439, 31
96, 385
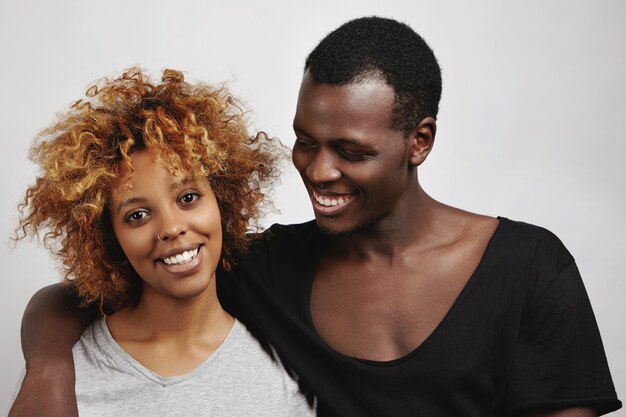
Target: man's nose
323, 168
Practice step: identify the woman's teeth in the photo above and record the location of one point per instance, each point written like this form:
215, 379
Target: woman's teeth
181, 258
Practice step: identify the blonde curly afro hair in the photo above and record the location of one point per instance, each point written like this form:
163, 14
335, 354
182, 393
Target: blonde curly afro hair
197, 128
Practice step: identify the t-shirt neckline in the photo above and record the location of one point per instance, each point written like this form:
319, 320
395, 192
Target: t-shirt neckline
310, 272
115, 351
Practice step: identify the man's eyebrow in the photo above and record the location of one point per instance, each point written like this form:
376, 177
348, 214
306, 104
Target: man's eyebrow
296, 129
339, 141
350, 141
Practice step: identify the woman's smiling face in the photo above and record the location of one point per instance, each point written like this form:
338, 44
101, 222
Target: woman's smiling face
168, 225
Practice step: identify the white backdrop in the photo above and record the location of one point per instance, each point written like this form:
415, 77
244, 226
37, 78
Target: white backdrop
532, 123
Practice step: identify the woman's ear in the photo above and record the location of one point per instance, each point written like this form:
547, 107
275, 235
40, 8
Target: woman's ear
421, 140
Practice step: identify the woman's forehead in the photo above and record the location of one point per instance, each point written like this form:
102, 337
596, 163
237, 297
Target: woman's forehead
148, 172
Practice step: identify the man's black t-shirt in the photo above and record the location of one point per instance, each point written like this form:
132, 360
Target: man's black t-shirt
521, 334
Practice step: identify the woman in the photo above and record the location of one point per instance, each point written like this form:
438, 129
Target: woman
144, 189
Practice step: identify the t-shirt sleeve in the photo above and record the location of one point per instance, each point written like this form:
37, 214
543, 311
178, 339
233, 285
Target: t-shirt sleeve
559, 359
226, 285
249, 269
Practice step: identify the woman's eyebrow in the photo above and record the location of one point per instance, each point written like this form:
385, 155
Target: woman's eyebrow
129, 201
181, 182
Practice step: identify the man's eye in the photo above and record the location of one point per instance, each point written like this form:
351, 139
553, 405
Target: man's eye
188, 198
305, 144
350, 154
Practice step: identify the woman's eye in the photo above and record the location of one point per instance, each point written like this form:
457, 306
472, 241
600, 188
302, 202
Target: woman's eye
188, 198
137, 216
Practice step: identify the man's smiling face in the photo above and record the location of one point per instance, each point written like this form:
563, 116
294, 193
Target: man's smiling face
353, 164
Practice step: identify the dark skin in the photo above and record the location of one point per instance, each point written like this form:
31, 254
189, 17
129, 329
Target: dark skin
404, 264
371, 299
49, 330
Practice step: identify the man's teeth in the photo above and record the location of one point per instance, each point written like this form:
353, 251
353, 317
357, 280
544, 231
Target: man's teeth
181, 258
330, 201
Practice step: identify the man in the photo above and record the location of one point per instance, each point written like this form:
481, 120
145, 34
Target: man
392, 303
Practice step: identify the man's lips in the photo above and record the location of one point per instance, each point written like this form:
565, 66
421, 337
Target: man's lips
331, 199
330, 203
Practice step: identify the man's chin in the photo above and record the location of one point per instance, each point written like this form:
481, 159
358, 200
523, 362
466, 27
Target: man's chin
350, 230
326, 231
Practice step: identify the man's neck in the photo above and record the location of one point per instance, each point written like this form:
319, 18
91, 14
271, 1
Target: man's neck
411, 223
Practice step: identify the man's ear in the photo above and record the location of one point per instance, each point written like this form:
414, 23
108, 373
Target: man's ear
421, 140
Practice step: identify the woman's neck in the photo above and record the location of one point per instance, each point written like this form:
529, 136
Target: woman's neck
171, 336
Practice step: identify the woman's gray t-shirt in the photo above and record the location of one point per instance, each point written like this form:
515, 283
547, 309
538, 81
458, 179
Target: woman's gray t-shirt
238, 379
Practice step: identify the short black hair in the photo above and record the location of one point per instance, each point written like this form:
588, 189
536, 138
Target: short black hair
380, 47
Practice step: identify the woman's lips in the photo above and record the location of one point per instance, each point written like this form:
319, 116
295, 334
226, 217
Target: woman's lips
183, 266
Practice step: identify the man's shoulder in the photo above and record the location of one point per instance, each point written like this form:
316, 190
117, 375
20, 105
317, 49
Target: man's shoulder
528, 242
289, 235
282, 241
294, 229
527, 233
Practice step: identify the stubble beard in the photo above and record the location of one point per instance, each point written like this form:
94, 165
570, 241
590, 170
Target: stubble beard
366, 227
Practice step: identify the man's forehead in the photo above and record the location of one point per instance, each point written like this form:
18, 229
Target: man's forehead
367, 101
367, 77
